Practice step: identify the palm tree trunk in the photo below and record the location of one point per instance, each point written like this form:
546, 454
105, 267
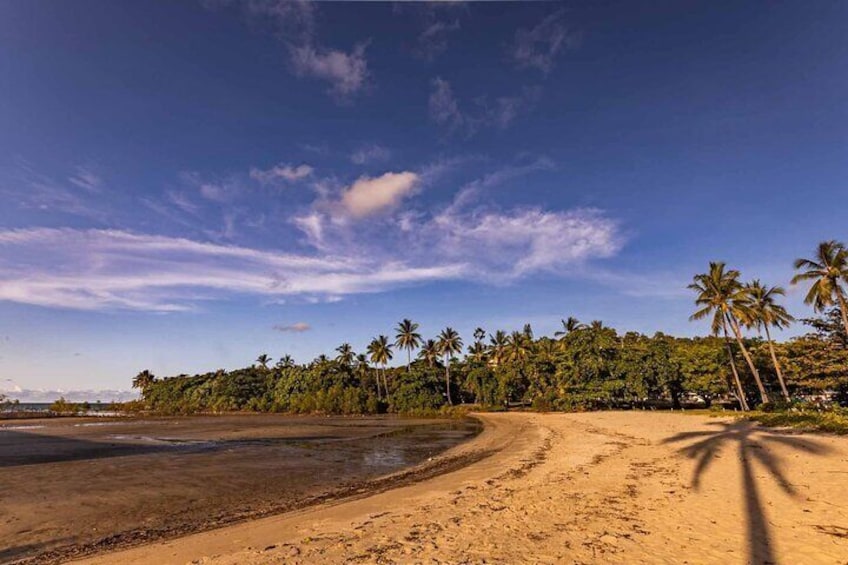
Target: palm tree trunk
385, 381
777, 367
843, 307
743, 402
377, 378
408, 359
763, 394
447, 380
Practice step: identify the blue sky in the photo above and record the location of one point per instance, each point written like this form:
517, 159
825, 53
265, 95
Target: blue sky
187, 185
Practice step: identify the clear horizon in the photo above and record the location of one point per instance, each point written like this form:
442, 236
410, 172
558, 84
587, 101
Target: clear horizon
188, 185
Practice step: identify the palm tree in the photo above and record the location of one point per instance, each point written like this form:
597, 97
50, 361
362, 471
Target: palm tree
829, 271
518, 347
477, 351
362, 369
763, 312
429, 352
143, 380
285, 362
263, 360
380, 351
528, 331
569, 325
721, 294
408, 338
449, 344
346, 354
479, 334
497, 347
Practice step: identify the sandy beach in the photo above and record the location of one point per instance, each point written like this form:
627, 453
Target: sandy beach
622, 487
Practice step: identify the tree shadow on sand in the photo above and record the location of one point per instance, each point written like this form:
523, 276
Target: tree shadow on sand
751, 442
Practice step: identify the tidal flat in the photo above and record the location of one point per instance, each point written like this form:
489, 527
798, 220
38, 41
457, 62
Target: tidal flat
74, 486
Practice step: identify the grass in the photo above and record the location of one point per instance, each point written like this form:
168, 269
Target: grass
834, 422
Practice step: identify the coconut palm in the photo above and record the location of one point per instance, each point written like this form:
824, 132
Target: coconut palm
408, 338
346, 354
380, 351
285, 362
429, 352
449, 344
571, 324
497, 347
518, 347
829, 271
263, 360
143, 380
764, 312
479, 334
477, 351
362, 368
721, 295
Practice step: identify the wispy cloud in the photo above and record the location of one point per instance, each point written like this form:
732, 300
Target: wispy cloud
446, 111
370, 154
282, 172
293, 22
220, 190
437, 20
539, 46
111, 269
347, 73
24, 186
297, 327
86, 179
433, 40
444, 108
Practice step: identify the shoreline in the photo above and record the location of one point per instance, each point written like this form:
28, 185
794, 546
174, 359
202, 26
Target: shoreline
618, 487
198, 474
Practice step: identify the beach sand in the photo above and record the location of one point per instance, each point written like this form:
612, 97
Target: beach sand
613, 487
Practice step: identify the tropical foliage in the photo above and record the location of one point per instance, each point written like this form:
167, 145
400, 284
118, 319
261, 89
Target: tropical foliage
580, 367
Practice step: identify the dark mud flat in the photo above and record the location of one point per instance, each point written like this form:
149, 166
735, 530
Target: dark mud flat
75, 486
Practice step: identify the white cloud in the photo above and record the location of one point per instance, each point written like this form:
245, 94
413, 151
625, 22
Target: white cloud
297, 327
513, 244
369, 196
539, 46
468, 238
346, 72
282, 171
311, 225
369, 154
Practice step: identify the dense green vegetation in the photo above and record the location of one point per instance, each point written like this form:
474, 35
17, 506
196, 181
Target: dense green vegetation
581, 367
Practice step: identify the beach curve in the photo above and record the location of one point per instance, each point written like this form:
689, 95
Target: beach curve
613, 487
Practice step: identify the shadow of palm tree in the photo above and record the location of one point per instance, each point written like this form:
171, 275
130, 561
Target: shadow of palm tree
751, 441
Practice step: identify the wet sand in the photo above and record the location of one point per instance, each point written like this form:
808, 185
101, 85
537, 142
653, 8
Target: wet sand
613, 487
75, 486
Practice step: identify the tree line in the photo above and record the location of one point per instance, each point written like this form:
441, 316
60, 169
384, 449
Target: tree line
580, 367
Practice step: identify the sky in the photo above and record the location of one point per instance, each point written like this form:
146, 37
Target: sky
185, 185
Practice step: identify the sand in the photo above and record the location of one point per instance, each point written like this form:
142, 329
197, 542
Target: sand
615, 487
